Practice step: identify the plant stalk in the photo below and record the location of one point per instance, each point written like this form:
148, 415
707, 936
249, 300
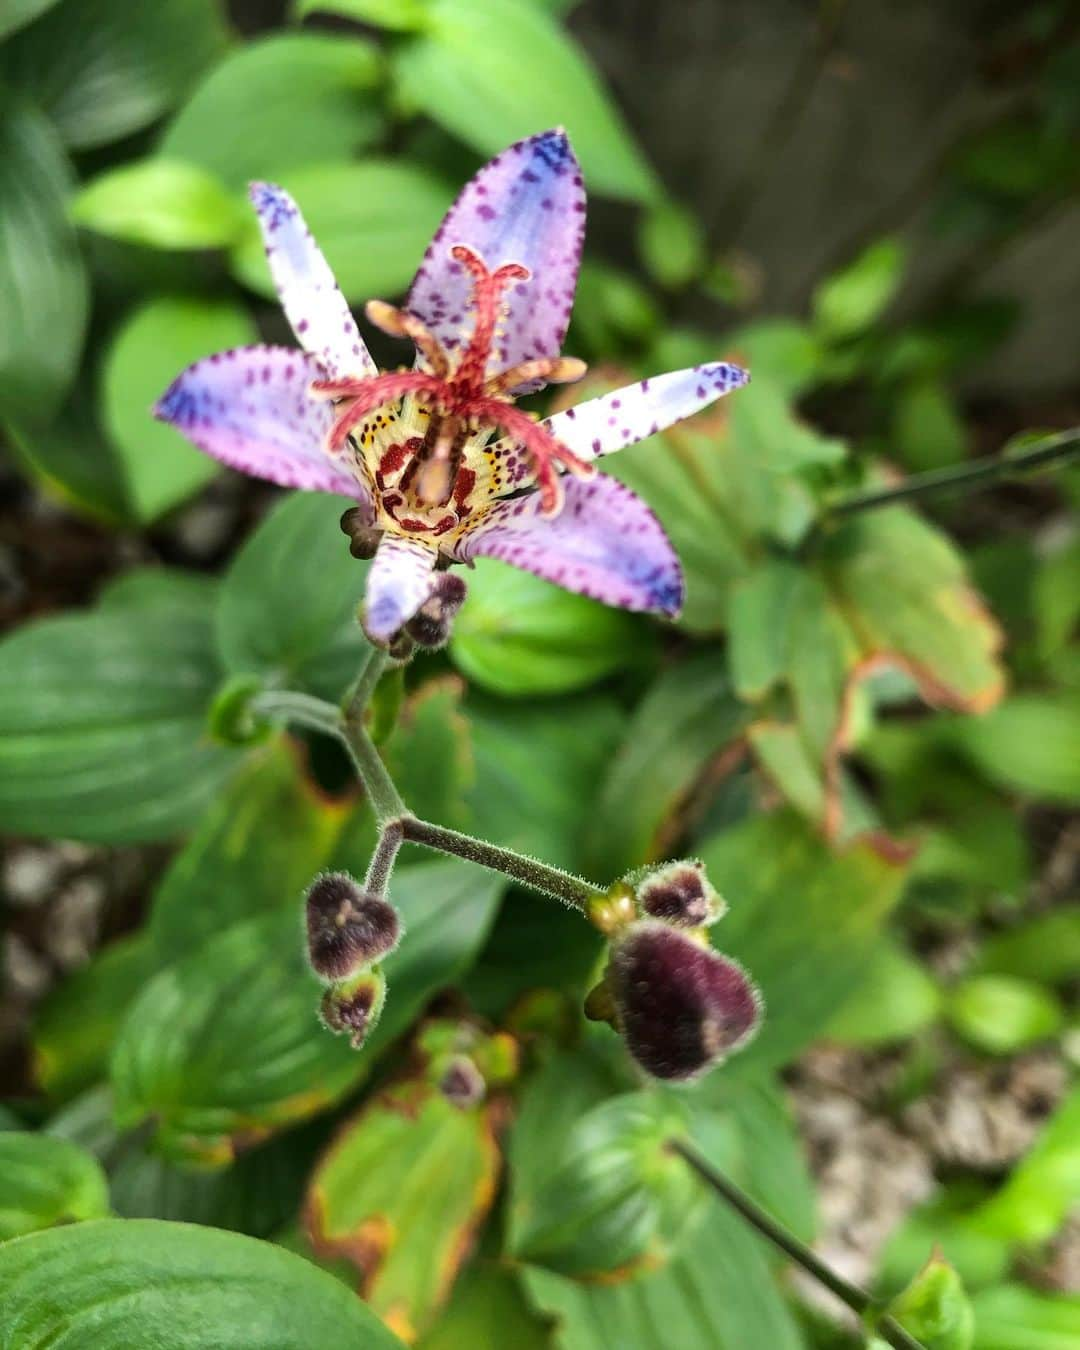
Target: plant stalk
384, 796
856, 1298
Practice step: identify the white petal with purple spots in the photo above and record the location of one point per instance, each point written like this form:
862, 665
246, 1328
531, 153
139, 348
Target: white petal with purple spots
309, 294
526, 206
605, 543
250, 409
401, 579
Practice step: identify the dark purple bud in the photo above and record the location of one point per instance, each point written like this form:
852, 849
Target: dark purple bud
430, 625
681, 1007
363, 538
462, 1083
352, 1007
346, 927
679, 893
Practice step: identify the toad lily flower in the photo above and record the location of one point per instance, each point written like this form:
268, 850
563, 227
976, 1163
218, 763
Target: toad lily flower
443, 465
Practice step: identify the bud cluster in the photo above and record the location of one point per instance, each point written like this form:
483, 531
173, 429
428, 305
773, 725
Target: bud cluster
680, 1005
349, 931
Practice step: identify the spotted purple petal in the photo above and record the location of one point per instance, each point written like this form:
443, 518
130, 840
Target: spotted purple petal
309, 294
604, 543
250, 408
526, 206
400, 580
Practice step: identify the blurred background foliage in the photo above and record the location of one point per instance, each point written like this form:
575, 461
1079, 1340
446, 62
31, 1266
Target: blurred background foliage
868, 727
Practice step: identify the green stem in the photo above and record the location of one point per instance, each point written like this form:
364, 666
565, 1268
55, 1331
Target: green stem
856, 1298
382, 860
384, 796
1063, 446
571, 890
300, 709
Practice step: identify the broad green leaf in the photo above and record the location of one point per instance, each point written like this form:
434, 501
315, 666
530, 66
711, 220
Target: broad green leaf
105, 68
688, 717
766, 430
398, 15
373, 219
75, 1026
487, 1307
44, 1181
943, 1224
119, 1283
802, 920
41, 274
850, 300
102, 720
401, 1194
519, 635
256, 850
719, 1293
1002, 1015
672, 244
759, 622
1045, 947
174, 589
616, 1202
1030, 744
927, 428
535, 765
905, 592
277, 103
151, 348
492, 71
1016, 1317
430, 754
1036, 1199
1056, 597
788, 352
289, 598
785, 756
894, 1000
164, 203
612, 309
18, 13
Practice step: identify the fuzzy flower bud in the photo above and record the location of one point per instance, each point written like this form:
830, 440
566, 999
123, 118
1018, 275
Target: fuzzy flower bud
353, 1006
462, 1083
363, 538
679, 893
680, 1007
347, 928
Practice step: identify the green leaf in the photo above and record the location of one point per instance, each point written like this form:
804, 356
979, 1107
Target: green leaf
672, 244
767, 431
398, 15
44, 1181
487, 1307
41, 274
935, 1309
1057, 597
1044, 1187
849, 301
164, 203
104, 68
687, 717
102, 724
75, 1026
18, 13
783, 753
617, 1201
895, 1000
928, 430
119, 1283
1045, 947
289, 598
519, 635
802, 920
771, 1162
492, 71
254, 851
401, 1194
759, 621
278, 103
1030, 744
1012, 1316
373, 220
150, 349
789, 353
1002, 1014
430, 754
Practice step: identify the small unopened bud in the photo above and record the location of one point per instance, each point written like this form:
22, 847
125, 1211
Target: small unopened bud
363, 537
680, 893
430, 625
346, 927
352, 1006
681, 1007
462, 1083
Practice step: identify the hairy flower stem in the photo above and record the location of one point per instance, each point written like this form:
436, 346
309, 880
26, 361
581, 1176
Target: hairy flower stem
1062, 446
385, 799
856, 1298
571, 890
382, 860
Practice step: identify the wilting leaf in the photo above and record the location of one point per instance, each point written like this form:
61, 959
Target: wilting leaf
45, 1181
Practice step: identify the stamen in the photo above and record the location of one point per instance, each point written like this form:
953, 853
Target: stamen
553, 369
399, 323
